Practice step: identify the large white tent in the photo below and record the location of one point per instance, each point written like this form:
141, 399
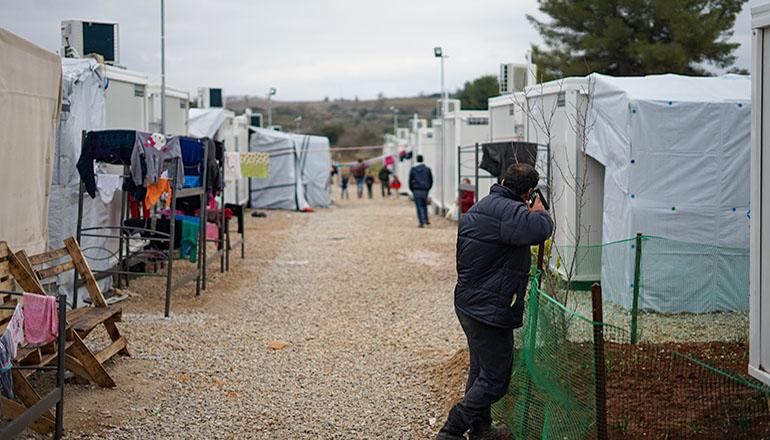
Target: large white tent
299, 170
676, 154
30, 88
315, 162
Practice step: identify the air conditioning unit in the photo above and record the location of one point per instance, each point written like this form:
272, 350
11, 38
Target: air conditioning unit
80, 38
256, 120
210, 97
513, 78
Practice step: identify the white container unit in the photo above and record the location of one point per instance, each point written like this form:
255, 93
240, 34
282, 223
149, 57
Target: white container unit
126, 99
759, 315
551, 114
507, 118
177, 108
463, 127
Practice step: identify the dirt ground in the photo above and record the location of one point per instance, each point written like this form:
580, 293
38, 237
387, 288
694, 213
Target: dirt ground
329, 328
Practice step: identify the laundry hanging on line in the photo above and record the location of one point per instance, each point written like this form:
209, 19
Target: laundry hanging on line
255, 165
107, 184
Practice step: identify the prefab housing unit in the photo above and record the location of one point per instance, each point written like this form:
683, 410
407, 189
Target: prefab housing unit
126, 99
563, 104
507, 118
759, 275
463, 127
177, 108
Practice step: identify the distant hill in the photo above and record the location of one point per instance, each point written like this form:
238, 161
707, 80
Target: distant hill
347, 122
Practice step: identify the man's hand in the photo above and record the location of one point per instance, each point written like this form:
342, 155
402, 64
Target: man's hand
537, 205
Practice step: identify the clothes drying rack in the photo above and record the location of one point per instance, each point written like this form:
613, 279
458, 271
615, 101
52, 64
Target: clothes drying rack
152, 246
55, 398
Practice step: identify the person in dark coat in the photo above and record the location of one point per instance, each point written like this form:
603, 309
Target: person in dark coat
493, 260
420, 183
384, 177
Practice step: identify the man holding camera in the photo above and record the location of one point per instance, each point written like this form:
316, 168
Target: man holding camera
493, 261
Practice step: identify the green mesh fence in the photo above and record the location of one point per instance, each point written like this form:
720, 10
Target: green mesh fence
684, 388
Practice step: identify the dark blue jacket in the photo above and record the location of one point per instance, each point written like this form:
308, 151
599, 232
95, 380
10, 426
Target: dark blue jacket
493, 257
420, 178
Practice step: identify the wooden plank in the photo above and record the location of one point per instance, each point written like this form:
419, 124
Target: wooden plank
111, 350
45, 257
72, 364
32, 414
13, 409
24, 273
98, 374
85, 272
23, 390
44, 274
114, 333
93, 316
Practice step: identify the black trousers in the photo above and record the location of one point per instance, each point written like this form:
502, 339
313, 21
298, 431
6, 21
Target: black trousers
491, 356
385, 187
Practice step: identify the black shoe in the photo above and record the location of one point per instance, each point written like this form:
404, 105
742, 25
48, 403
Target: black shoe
489, 432
427, 223
454, 428
421, 225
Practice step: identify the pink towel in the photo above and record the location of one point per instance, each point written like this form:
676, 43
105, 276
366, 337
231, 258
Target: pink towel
212, 231
41, 322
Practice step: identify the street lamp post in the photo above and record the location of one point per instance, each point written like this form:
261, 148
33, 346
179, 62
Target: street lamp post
438, 52
269, 107
162, 67
395, 120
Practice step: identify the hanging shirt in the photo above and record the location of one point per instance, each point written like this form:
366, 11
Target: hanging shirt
155, 191
107, 184
155, 149
6, 363
15, 329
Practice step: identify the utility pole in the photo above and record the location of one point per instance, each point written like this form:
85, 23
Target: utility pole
162, 67
438, 52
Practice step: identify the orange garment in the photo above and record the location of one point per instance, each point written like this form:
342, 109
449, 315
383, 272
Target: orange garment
154, 191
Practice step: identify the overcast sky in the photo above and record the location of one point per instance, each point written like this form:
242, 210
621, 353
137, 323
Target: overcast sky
308, 49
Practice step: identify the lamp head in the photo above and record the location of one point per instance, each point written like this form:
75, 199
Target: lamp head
438, 52
272, 91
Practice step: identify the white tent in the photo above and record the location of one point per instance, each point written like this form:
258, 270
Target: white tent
283, 188
30, 88
205, 122
83, 108
676, 155
316, 163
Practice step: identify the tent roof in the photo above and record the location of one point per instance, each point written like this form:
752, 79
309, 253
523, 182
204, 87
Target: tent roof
204, 122
670, 87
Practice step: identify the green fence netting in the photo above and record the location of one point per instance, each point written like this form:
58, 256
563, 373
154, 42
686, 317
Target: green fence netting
674, 389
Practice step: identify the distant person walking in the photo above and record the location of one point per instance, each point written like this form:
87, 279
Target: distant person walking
359, 172
384, 177
369, 180
420, 183
344, 179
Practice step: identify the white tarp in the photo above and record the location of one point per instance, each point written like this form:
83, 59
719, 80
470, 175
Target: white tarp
316, 163
676, 154
283, 188
205, 122
30, 88
83, 108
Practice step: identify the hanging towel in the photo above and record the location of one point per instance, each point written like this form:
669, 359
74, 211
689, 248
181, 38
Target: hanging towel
155, 190
232, 166
389, 161
41, 322
212, 231
255, 165
107, 184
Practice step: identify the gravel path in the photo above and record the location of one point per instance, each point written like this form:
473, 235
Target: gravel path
360, 296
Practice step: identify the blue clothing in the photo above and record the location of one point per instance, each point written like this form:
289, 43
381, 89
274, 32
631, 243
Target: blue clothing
421, 203
420, 178
493, 257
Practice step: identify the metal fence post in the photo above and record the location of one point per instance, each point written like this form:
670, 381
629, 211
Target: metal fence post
637, 282
600, 366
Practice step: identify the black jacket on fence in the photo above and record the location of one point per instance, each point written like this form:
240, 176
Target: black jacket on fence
493, 257
420, 178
